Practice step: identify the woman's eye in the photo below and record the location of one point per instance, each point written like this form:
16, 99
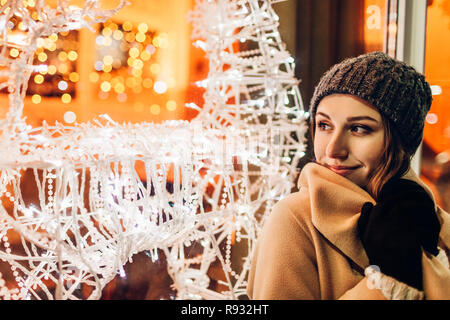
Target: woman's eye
322, 125
361, 129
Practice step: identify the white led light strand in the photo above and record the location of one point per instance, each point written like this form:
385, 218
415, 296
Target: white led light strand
211, 181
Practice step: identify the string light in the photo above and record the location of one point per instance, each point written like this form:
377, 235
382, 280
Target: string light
97, 160
135, 58
56, 55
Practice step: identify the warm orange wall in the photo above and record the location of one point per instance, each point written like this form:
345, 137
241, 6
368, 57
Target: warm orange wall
437, 71
374, 24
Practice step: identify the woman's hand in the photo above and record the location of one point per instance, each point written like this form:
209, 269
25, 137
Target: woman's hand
394, 231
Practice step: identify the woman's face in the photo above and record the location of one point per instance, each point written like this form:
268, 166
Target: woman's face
349, 137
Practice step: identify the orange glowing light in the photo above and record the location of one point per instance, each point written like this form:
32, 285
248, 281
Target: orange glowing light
74, 77
38, 78
72, 55
66, 98
62, 55
143, 27
63, 68
42, 56
107, 32
140, 37
105, 86
51, 69
14, 53
133, 52
127, 26
117, 35
155, 109
36, 98
171, 105
53, 37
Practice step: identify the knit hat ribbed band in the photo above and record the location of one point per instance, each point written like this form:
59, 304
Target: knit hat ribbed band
397, 90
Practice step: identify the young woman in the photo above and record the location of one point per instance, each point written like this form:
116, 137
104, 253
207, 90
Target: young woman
362, 225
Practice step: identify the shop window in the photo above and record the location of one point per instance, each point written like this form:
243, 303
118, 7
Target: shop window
436, 144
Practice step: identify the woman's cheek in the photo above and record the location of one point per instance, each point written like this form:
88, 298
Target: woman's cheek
319, 147
369, 151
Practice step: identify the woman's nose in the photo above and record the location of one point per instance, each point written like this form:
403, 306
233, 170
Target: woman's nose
337, 147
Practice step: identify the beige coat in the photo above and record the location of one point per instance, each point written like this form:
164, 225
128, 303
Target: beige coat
309, 248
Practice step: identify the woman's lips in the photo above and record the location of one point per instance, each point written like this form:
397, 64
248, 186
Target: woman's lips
342, 170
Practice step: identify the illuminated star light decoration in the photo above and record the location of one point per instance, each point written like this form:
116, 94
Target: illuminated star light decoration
227, 167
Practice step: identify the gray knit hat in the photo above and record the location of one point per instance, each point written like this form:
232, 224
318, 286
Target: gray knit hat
397, 90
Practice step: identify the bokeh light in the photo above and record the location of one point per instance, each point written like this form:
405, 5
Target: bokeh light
14, 53
160, 87
155, 109
66, 98
126, 65
171, 105
70, 117
35, 98
62, 85
126, 52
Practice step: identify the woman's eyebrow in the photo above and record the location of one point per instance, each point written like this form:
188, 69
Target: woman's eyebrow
357, 118
362, 118
323, 115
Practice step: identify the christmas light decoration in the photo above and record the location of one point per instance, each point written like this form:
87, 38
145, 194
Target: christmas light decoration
107, 191
126, 63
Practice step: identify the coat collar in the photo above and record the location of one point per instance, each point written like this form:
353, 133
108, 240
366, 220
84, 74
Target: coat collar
336, 206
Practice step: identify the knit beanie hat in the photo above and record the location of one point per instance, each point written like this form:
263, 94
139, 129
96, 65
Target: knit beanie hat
397, 90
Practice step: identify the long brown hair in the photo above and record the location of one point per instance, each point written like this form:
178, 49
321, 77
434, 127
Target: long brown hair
395, 161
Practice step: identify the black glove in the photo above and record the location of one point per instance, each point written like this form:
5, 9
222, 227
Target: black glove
394, 231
